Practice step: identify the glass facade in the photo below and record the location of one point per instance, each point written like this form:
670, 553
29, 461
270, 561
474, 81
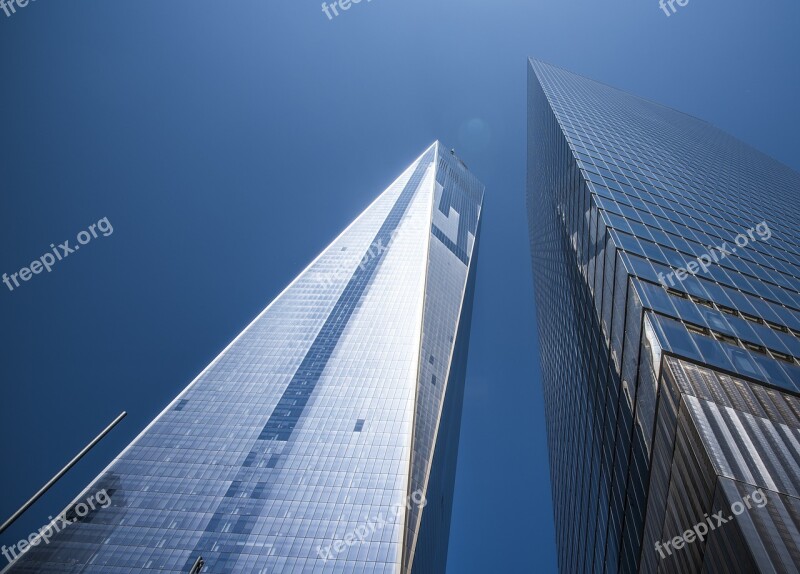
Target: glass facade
666, 260
324, 437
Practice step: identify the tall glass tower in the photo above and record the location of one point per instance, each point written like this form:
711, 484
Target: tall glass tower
666, 258
324, 438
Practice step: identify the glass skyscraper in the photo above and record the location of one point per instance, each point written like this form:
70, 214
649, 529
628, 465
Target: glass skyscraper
666, 260
324, 438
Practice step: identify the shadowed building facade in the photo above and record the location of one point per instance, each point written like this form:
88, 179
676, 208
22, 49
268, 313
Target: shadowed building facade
666, 261
324, 437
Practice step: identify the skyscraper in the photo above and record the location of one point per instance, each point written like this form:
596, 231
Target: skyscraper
666, 260
324, 437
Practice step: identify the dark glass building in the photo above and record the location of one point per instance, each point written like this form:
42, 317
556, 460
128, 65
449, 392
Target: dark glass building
324, 438
666, 259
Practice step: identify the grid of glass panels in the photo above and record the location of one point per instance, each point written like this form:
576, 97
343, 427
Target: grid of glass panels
457, 201
622, 192
291, 452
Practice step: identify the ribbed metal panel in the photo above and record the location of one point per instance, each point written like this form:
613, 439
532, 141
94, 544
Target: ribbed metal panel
726, 447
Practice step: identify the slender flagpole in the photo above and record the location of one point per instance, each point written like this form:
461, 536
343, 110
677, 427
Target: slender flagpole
61, 473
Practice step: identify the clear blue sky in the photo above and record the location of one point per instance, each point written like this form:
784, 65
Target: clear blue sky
229, 142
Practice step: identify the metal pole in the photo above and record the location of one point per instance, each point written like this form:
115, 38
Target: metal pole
63, 471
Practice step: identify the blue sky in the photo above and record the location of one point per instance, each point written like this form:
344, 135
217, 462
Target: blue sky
229, 143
